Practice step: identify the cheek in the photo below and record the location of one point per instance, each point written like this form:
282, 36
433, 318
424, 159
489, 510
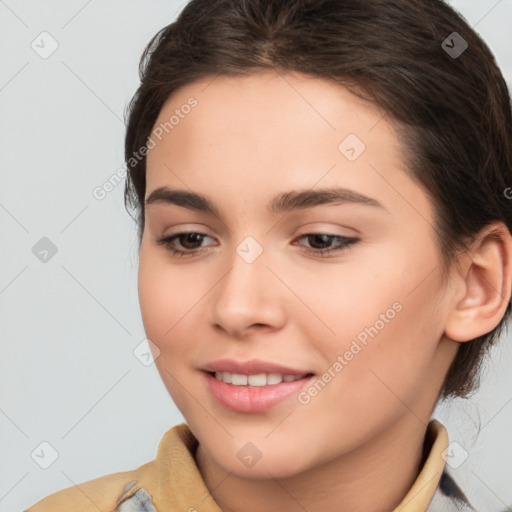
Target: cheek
165, 301
386, 315
392, 349
155, 297
167, 294
166, 298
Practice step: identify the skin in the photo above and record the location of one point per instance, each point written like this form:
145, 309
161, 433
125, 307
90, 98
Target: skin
249, 139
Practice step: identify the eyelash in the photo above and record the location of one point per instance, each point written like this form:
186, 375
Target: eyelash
345, 243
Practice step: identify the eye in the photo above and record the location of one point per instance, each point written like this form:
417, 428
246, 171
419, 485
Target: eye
322, 243
190, 241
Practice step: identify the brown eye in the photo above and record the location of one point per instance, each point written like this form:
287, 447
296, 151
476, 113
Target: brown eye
322, 243
183, 244
189, 240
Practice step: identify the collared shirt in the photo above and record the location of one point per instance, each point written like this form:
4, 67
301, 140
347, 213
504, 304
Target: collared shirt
172, 482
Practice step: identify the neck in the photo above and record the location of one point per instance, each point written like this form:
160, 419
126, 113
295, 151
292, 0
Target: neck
376, 476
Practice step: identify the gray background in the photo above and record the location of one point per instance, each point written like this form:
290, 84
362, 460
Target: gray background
69, 326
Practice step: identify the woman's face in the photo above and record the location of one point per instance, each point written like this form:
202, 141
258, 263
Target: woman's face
359, 326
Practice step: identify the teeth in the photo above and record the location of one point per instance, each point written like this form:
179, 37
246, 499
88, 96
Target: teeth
274, 378
257, 380
260, 379
238, 379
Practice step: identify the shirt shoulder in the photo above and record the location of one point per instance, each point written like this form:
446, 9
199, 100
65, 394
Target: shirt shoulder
171, 482
112, 492
102, 493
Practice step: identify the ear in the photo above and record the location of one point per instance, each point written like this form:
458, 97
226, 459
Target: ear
482, 285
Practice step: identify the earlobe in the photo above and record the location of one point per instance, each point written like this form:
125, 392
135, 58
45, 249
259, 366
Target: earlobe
485, 274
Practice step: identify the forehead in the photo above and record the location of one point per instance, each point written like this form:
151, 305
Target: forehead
286, 108
247, 136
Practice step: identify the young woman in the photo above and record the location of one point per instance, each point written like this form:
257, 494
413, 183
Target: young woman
325, 252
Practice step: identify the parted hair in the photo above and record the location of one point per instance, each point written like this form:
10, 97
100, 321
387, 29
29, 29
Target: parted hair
449, 103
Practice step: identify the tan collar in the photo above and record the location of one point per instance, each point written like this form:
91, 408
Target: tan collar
184, 489
422, 491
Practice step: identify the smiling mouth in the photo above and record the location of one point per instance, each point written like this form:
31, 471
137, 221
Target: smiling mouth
254, 392
256, 380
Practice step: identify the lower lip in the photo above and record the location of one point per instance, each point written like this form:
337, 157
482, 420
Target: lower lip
252, 398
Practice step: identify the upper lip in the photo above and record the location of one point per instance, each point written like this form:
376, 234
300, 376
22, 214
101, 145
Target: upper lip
250, 367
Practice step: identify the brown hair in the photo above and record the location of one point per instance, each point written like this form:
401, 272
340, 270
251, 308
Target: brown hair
452, 110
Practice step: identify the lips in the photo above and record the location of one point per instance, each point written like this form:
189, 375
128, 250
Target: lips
252, 367
248, 396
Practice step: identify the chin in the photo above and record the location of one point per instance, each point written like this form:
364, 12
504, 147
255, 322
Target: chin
250, 463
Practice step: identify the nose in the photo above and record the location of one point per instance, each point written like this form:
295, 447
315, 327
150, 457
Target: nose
248, 298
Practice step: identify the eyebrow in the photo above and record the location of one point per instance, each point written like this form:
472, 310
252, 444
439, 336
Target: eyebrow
283, 203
